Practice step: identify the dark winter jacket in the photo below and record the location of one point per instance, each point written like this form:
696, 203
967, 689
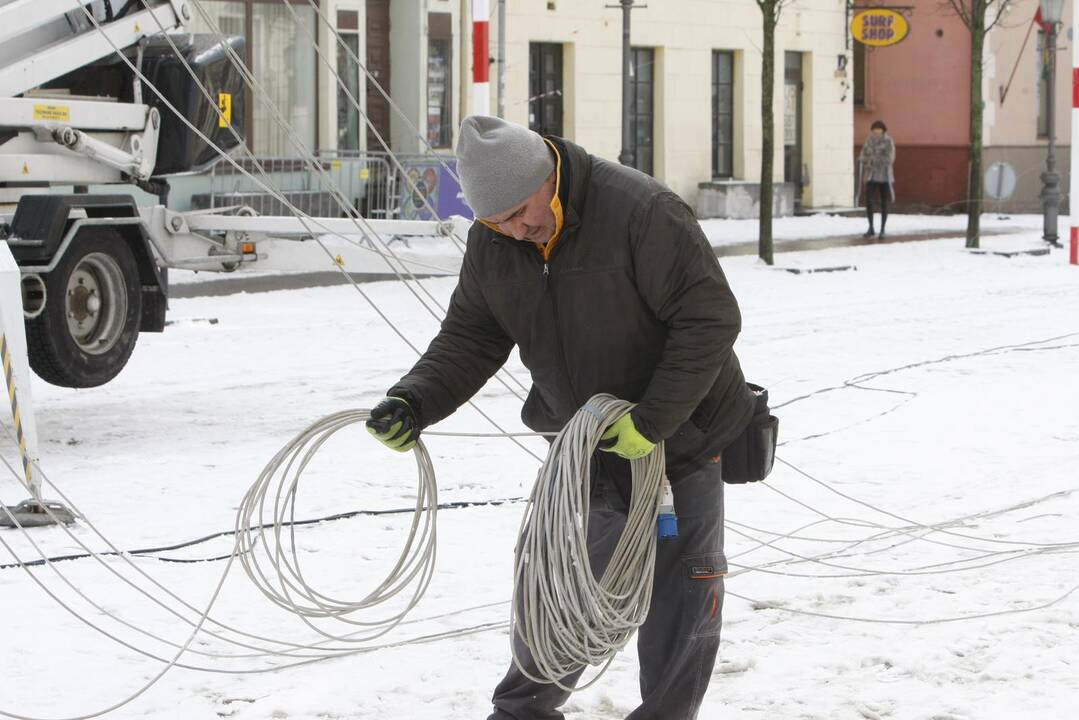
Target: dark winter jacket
632, 302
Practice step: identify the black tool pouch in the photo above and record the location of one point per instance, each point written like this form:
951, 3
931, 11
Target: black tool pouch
749, 458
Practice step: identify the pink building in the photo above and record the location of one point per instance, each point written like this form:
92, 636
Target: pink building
920, 88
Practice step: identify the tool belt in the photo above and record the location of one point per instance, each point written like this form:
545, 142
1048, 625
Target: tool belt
750, 456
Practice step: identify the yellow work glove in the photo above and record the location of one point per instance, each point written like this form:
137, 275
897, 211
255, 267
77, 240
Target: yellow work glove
625, 440
394, 424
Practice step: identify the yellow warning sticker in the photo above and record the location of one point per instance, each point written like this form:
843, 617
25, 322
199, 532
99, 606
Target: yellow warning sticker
54, 113
224, 103
365, 173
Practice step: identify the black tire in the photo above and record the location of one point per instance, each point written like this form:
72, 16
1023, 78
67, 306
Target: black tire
79, 341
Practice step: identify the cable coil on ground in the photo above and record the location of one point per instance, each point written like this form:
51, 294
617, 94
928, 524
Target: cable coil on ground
266, 546
566, 616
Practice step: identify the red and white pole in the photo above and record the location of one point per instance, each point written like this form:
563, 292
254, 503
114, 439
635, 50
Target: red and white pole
1073, 195
481, 57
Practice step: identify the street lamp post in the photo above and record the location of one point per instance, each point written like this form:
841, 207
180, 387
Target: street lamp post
1052, 11
626, 156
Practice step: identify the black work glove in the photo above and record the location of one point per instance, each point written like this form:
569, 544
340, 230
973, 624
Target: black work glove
394, 424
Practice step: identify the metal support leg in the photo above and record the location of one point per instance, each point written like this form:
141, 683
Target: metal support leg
30, 512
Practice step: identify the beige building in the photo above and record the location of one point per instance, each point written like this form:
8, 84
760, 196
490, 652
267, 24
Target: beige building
1016, 103
697, 73
696, 84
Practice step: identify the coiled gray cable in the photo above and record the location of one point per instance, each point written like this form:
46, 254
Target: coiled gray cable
567, 617
266, 546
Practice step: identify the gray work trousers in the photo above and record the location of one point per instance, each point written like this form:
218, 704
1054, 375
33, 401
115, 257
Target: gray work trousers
678, 642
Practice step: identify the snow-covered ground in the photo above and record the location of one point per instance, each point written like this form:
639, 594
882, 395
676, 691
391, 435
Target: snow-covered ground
975, 428
731, 232
430, 255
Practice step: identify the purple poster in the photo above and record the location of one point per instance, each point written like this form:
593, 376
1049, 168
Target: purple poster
430, 184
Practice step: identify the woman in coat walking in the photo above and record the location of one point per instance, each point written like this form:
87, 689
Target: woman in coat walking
875, 163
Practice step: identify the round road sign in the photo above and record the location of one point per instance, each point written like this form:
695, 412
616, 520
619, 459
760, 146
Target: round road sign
1000, 181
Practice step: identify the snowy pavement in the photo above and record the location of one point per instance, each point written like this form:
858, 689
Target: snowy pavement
927, 387
434, 256
721, 232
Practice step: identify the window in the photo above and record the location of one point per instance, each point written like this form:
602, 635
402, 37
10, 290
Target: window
1043, 85
545, 88
348, 69
439, 80
859, 74
281, 55
439, 124
642, 63
229, 16
722, 114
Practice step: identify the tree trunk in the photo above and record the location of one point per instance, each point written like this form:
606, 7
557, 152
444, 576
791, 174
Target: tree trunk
768, 81
974, 192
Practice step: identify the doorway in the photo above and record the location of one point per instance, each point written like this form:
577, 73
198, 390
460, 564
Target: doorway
378, 64
793, 150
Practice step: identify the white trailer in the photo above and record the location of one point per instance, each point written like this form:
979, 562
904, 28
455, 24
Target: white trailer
90, 97
74, 114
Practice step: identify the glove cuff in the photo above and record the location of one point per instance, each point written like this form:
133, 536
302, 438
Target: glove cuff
414, 404
644, 428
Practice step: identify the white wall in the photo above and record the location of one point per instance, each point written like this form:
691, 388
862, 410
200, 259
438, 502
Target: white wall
408, 69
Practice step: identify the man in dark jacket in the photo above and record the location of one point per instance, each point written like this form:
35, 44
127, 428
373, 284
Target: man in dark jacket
605, 282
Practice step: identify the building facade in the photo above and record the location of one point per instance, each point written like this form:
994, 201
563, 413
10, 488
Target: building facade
1017, 103
921, 89
696, 84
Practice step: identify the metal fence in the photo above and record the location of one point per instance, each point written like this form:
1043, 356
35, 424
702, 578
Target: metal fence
366, 181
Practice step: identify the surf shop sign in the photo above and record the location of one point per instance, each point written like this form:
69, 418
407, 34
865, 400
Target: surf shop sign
879, 27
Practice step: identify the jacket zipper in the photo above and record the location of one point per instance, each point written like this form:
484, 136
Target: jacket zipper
574, 395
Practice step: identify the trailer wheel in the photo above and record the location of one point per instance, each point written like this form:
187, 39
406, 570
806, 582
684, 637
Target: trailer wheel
90, 322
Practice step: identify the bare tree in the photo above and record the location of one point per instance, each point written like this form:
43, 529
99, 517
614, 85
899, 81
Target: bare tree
770, 12
979, 16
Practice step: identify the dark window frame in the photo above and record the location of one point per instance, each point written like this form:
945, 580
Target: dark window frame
723, 86
348, 117
440, 34
643, 117
859, 72
546, 88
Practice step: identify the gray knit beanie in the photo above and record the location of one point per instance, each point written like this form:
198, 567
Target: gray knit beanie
500, 164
